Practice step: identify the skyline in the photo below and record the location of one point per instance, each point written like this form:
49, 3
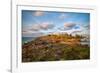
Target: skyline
38, 23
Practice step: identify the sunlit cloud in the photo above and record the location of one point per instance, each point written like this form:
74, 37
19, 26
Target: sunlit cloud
62, 16
46, 25
38, 13
42, 26
81, 31
37, 28
68, 26
87, 27
32, 34
76, 32
44, 22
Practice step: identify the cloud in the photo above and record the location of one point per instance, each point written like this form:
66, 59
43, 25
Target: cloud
32, 34
42, 26
62, 16
77, 32
35, 29
27, 32
87, 27
46, 25
68, 26
72, 28
81, 31
38, 13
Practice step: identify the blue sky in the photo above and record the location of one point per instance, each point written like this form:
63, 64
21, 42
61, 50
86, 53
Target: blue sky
38, 23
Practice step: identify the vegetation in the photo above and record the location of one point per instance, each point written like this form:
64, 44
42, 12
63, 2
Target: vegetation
55, 47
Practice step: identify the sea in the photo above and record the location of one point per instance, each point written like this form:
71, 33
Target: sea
85, 43
27, 39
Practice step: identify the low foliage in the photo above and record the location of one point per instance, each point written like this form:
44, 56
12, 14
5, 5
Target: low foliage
55, 48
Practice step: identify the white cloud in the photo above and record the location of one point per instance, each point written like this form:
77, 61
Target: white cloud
35, 29
81, 31
63, 16
32, 34
38, 13
41, 26
46, 25
68, 26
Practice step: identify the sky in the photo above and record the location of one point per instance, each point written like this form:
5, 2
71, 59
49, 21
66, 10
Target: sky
38, 23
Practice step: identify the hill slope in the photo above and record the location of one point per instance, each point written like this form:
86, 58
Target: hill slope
54, 48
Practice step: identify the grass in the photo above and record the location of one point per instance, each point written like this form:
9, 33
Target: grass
51, 48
